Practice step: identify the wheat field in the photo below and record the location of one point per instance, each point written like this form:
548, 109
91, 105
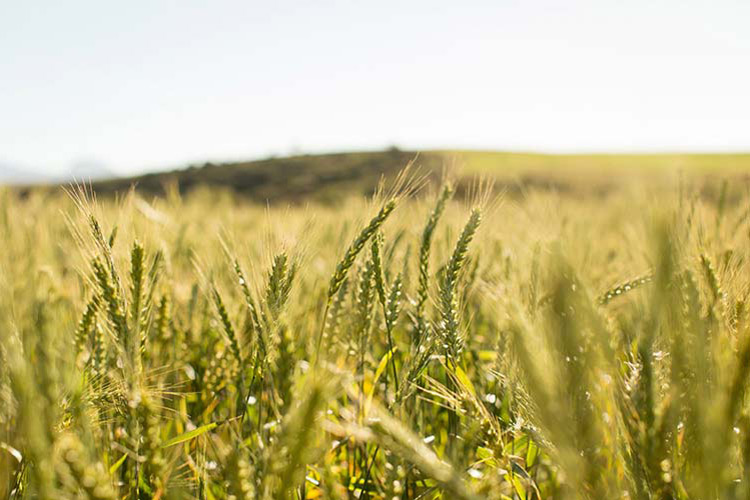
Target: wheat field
413, 345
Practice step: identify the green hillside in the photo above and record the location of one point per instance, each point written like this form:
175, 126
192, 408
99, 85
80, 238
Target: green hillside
330, 177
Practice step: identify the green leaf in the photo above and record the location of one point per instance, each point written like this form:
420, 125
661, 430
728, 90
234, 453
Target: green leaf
382, 365
189, 435
517, 446
484, 453
113, 468
380, 370
520, 490
531, 454
465, 381
487, 456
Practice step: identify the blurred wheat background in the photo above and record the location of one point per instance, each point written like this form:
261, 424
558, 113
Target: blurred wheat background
420, 343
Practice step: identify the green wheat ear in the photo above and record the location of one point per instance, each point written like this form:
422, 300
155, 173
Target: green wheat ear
376, 249
420, 325
393, 302
388, 301
449, 322
622, 289
113, 301
137, 271
711, 278
426, 244
86, 326
229, 331
342, 268
280, 280
255, 324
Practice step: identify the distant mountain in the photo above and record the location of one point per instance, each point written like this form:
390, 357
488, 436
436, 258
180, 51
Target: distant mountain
82, 171
89, 170
14, 174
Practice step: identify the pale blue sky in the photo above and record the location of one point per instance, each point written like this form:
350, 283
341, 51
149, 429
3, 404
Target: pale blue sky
140, 85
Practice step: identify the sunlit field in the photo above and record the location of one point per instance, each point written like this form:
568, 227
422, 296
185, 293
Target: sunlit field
544, 342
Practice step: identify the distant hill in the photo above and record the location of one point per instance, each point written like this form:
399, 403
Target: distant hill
81, 171
322, 177
329, 177
12, 174
90, 170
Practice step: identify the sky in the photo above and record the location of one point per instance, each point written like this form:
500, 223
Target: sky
146, 85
